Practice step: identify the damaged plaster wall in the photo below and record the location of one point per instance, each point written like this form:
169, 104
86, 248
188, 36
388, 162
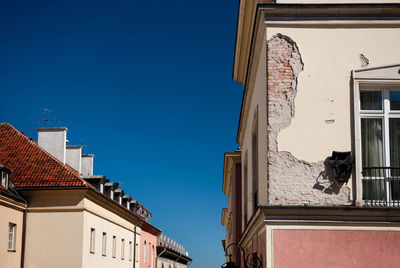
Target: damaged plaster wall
292, 181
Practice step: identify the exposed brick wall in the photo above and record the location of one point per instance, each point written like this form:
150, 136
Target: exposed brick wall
292, 181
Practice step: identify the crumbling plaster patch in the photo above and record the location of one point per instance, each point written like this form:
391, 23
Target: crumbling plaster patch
292, 181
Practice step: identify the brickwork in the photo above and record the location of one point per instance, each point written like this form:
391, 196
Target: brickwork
292, 181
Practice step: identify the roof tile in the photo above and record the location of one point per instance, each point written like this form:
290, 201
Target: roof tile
33, 166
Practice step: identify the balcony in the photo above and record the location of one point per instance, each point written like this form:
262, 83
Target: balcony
381, 186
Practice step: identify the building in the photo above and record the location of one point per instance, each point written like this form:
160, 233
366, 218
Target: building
70, 221
318, 134
12, 211
171, 254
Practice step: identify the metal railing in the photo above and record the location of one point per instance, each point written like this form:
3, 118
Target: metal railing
381, 186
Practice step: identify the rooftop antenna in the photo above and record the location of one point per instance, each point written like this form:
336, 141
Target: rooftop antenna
45, 119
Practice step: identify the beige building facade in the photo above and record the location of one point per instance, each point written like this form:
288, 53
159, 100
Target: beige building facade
321, 81
78, 229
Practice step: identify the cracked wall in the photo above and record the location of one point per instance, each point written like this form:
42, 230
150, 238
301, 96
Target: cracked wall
292, 181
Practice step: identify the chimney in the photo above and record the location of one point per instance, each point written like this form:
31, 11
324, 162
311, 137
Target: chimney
74, 157
87, 165
53, 140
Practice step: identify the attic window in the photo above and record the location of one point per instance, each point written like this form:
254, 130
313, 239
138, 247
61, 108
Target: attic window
4, 179
112, 194
101, 188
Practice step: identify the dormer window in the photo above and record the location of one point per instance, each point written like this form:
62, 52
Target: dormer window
120, 200
112, 194
4, 179
128, 205
101, 188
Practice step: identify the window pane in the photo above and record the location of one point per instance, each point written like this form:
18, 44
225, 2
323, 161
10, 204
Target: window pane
394, 100
371, 100
394, 142
371, 142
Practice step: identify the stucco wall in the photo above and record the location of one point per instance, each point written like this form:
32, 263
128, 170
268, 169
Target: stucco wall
257, 110
309, 105
10, 214
151, 241
329, 248
54, 239
111, 229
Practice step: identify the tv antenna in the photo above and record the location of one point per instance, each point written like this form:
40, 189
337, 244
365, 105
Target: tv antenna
45, 119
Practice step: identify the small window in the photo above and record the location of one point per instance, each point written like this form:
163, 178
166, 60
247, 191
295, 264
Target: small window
130, 250
104, 249
92, 239
122, 249
11, 236
112, 194
136, 252
4, 179
152, 256
144, 252
101, 188
114, 247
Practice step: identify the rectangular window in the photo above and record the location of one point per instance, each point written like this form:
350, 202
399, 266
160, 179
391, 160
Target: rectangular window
130, 250
254, 156
104, 248
122, 249
114, 246
137, 252
4, 179
245, 191
92, 239
380, 146
11, 236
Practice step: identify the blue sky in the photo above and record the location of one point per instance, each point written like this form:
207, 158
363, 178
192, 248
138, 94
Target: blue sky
147, 85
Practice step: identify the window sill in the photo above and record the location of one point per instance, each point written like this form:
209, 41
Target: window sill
91, 252
11, 250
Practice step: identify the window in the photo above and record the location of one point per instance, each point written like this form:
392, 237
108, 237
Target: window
122, 249
144, 252
112, 194
379, 112
152, 257
4, 179
101, 187
104, 248
130, 250
254, 163
136, 252
11, 236
245, 190
92, 239
114, 246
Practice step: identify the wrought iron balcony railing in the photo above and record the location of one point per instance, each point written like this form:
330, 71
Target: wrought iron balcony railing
381, 186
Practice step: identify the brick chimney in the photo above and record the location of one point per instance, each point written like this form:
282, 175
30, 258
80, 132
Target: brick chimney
53, 140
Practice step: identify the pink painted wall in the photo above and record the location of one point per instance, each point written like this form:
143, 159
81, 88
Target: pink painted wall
151, 241
312, 248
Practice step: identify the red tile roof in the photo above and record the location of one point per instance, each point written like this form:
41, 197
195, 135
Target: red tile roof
32, 166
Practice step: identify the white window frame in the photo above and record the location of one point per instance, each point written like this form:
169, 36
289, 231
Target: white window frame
92, 240
137, 252
12, 227
104, 248
386, 78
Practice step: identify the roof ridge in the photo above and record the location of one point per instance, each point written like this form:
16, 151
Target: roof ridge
75, 174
